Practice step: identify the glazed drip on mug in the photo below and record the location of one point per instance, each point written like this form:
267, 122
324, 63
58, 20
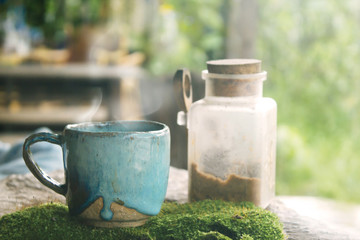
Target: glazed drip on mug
106, 212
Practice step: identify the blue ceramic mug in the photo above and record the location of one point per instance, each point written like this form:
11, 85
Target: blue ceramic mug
116, 173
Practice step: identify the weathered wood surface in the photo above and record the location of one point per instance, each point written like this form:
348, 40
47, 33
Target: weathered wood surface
18, 191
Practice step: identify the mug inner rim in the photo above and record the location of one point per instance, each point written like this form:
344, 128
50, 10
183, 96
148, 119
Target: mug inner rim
121, 126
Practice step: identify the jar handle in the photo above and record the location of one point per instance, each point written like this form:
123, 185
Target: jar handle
183, 89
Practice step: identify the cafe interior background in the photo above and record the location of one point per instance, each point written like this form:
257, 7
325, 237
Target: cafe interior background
68, 61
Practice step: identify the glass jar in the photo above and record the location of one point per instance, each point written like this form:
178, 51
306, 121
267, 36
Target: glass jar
232, 135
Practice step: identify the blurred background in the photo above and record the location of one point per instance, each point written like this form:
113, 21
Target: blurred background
66, 61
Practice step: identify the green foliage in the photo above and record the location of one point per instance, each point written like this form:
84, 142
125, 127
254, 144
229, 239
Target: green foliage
246, 237
311, 52
188, 33
85, 11
200, 220
51, 16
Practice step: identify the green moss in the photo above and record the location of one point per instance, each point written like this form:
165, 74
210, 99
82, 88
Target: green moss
199, 220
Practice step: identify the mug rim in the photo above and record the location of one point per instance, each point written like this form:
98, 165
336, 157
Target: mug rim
76, 127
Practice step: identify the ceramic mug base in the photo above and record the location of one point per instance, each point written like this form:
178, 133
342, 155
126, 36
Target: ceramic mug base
123, 216
113, 224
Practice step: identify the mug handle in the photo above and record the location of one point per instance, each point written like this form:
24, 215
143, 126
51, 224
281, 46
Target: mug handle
35, 168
